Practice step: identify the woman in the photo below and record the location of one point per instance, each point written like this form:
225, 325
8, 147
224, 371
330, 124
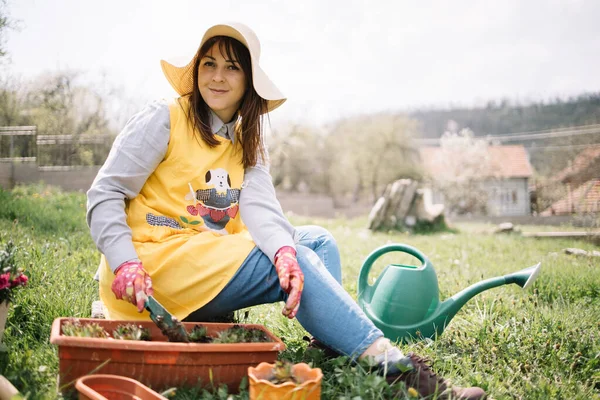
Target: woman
166, 212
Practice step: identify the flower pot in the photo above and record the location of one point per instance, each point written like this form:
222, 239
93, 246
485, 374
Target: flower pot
308, 388
158, 363
8, 391
114, 387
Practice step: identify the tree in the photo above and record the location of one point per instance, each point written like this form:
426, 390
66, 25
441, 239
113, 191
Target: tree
368, 152
12, 103
60, 105
6, 23
297, 159
463, 165
353, 158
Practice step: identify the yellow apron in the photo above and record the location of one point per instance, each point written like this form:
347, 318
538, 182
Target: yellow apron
186, 224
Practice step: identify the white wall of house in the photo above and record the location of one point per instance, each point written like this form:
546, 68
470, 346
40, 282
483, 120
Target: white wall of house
508, 197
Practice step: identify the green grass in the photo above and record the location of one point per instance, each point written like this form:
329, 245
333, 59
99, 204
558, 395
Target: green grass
539, 344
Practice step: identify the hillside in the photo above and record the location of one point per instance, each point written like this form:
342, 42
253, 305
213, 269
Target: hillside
548, 153
508, 117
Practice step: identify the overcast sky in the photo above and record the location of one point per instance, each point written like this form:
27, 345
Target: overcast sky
331, 58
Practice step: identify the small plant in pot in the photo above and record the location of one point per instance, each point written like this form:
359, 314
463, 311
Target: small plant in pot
284, 380
240, 334
235, 334
128, 331
131, 332
73, 327
199, 334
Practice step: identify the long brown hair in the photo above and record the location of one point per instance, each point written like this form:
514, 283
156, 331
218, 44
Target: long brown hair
248, 129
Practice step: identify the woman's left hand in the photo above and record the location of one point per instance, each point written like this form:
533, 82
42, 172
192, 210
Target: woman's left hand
291, 279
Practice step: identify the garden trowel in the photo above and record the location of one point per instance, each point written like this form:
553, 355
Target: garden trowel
170, 326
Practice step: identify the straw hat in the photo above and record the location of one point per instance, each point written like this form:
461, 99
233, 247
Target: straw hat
182, 78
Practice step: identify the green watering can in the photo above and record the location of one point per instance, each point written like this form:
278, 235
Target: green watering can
404, 302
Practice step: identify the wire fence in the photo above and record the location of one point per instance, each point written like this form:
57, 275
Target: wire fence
17, 143
23, 144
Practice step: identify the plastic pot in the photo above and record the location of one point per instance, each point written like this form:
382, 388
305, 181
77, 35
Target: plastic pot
309, 387
114, 387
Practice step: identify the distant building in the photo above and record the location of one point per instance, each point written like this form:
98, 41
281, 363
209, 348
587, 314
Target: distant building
504, 176
585, 199
584, 167
582, 181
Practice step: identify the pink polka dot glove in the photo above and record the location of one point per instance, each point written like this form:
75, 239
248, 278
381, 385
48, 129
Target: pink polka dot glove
291, 279
132, 284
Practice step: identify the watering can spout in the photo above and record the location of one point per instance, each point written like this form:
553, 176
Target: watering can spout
524, 278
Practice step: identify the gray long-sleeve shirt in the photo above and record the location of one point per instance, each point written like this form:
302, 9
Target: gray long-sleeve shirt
136, 153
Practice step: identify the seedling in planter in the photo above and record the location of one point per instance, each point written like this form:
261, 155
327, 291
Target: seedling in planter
199, 335
239, 334
131, 332
74, 328
282, 372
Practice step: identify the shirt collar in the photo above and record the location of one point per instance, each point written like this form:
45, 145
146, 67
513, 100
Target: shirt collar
222, 129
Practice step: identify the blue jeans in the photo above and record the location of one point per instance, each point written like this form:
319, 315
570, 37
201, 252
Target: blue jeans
326, 310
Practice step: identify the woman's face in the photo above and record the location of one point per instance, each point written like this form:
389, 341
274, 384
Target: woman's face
222, 83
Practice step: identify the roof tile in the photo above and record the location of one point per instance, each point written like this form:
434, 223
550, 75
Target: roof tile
505, 161
584, 199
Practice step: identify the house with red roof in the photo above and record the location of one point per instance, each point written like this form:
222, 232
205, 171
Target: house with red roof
582, 181
584, 167
503, 173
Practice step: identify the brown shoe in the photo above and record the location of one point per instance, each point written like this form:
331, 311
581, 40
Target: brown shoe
427, 383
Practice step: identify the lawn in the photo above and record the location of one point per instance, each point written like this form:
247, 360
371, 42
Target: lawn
540, 344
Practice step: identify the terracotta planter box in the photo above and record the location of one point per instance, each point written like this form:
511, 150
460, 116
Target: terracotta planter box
160, 364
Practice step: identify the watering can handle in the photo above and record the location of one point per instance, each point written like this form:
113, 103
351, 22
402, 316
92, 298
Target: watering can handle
363, 278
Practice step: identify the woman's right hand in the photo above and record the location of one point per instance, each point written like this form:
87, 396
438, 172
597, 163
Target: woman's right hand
132, 283
291, 279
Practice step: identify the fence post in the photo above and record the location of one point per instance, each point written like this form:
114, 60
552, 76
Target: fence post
11, 179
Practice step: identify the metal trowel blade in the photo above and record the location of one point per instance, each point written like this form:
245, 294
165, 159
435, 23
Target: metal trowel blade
170, 326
